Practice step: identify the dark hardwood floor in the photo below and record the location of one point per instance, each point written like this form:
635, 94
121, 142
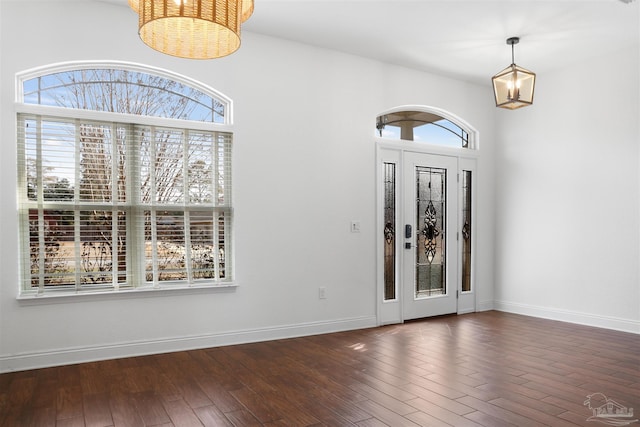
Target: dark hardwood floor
485, 369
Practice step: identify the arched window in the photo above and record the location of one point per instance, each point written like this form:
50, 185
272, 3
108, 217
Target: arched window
123, 90
124, 180
422, 125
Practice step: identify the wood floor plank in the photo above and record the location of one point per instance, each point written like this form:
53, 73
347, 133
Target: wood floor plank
553, 386
372, 422
493, 370
21, 391
219, 395
40, 417
93, 378
579, 419
97, 412
181, 414
44, 395
444, 390
424, 419
243, 418
69, 376
498, 412
438, 399
488, 420
502, 389
392, 375
124, 411
389, 384
191, 392
395, 365
150, 407
386, 415
258, 406
69, 403
71, 422
327, 416
442, 414
384, 399
343, 408
487, 369
292, 413
538, 415
575, 405
211, 416
164, 388
321, 382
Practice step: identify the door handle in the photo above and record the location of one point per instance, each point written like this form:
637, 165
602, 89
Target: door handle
407, 235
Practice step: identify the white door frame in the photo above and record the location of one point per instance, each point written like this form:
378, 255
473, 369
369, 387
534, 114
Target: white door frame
393, 151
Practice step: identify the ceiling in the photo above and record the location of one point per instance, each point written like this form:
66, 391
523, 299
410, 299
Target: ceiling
462, 39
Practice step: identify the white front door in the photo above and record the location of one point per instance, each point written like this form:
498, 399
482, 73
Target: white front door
429, 235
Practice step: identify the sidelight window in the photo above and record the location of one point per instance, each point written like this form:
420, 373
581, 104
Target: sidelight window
467, 223
389, 231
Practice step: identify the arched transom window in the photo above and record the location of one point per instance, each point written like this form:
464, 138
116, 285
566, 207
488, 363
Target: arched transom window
422, 126
124, 91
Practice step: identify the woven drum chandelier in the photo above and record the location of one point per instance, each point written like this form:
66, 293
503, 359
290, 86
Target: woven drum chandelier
193, 29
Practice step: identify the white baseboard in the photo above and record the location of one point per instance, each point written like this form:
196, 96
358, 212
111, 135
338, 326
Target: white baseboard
68, 356
607, 322
485, 306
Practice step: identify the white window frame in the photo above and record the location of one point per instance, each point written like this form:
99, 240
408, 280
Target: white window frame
139, 284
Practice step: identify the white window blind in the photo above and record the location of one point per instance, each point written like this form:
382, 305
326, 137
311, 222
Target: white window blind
110, 206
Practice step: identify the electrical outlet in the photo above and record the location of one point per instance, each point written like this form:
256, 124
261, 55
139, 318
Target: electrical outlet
322, 292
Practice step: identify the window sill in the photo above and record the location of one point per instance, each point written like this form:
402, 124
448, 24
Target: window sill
73, 296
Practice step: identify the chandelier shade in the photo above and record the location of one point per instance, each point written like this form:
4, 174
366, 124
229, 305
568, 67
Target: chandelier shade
514, 86
193, 29
247, 8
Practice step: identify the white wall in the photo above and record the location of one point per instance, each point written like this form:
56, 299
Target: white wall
303, 169
567, 243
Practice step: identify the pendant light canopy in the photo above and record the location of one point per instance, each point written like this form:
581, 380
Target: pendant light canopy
193, 29
513, 87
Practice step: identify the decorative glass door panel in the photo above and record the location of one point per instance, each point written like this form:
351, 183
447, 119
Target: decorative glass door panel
466, 242
389, 231
430, 255
466, 231
431, 220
